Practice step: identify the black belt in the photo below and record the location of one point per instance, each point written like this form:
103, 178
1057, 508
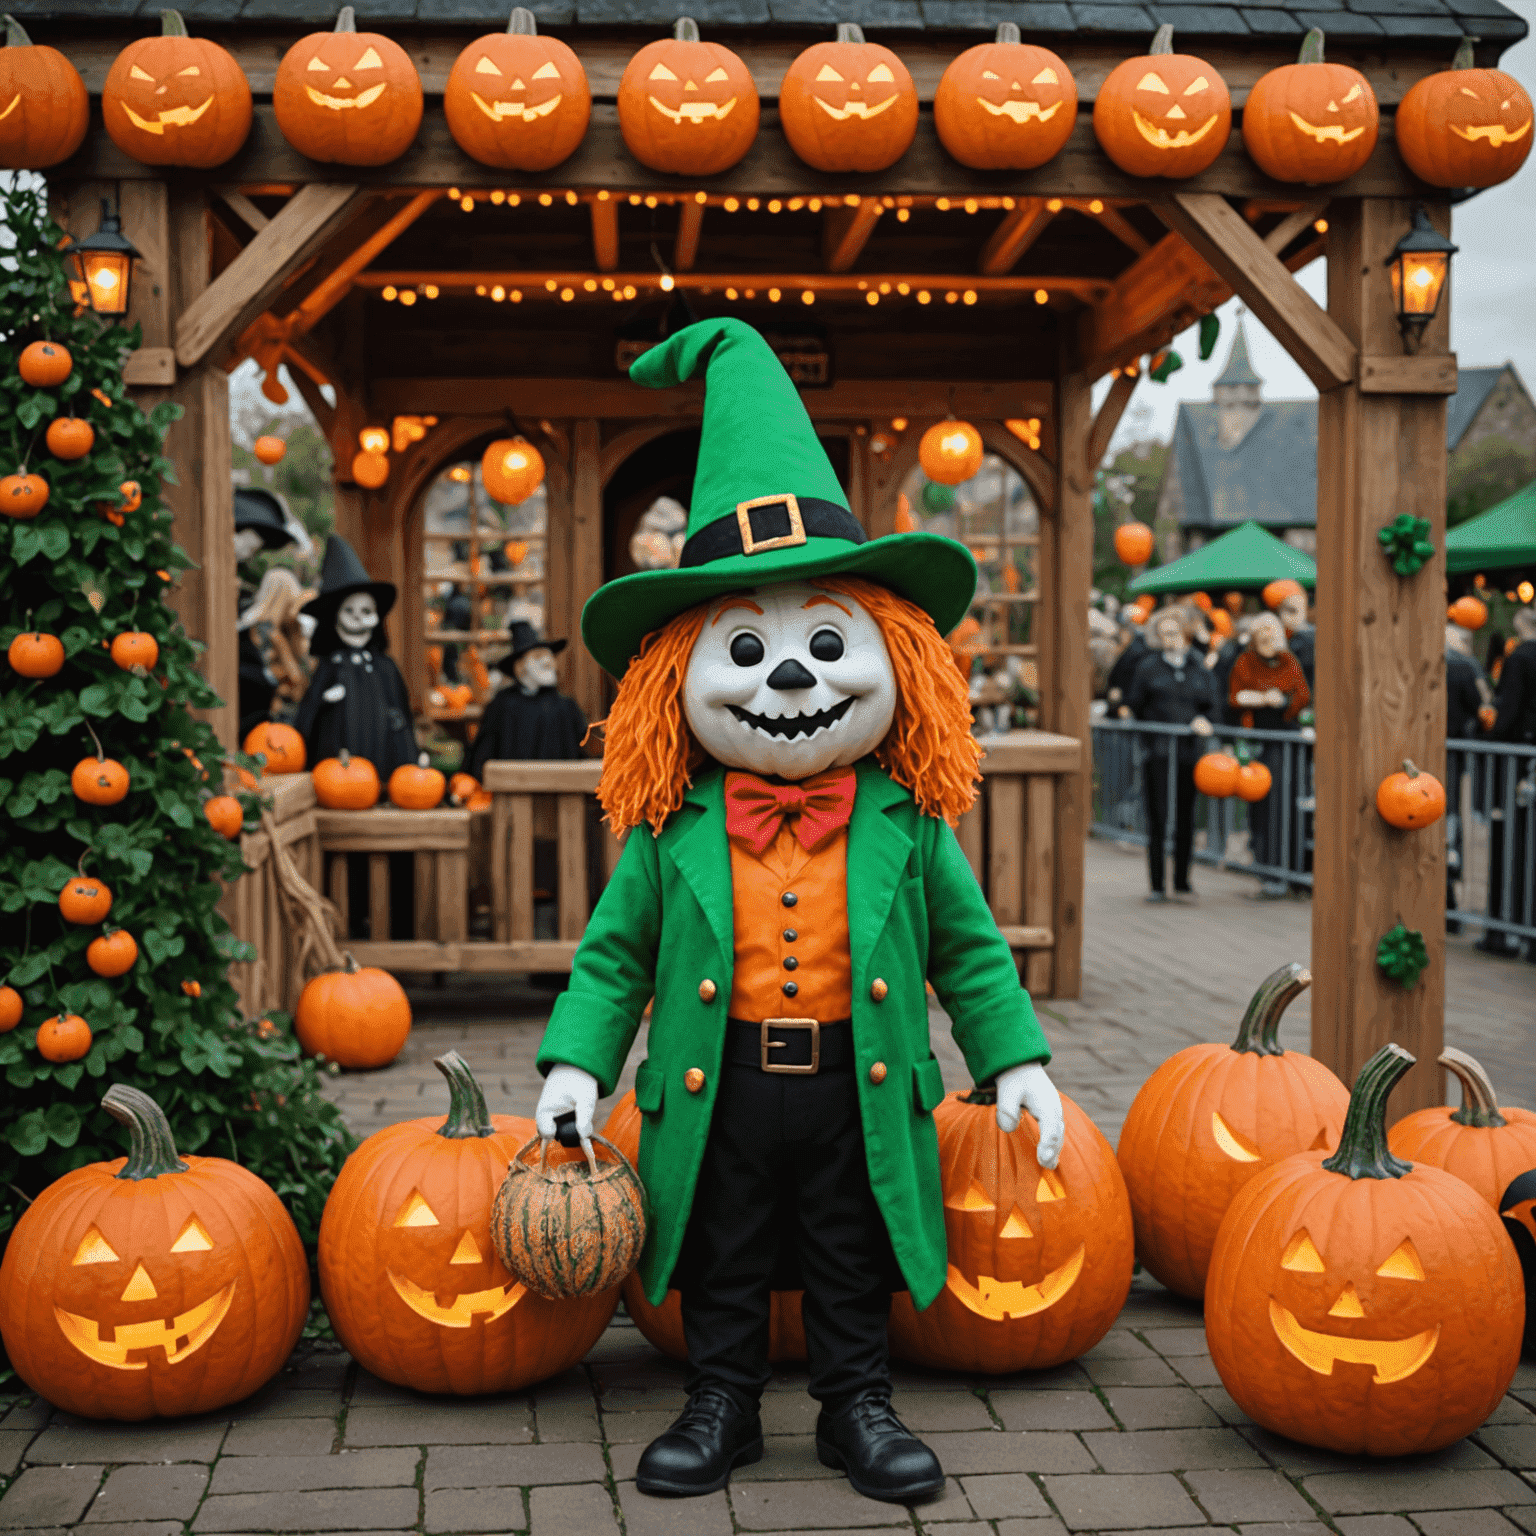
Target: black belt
790, 1046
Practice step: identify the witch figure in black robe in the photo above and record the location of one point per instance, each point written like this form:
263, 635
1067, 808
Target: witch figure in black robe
530, 719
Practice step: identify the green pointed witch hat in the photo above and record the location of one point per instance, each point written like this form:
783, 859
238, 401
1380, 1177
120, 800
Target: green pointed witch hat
766, 505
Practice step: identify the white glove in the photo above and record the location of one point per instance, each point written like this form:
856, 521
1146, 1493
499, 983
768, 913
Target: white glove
568, 1088
335, 693
1021, 1088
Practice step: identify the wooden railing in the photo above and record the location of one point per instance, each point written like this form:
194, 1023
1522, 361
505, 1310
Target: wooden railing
1008, 836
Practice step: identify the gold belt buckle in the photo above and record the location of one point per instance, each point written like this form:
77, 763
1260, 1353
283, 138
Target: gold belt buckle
814, 1025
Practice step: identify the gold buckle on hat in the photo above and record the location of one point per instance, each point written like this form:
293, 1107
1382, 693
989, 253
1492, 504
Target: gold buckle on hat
814, 1025
751, 545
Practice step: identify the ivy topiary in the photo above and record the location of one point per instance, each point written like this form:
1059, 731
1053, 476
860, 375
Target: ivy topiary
98, 561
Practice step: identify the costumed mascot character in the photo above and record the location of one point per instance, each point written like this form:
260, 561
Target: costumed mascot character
530, 718
789, 746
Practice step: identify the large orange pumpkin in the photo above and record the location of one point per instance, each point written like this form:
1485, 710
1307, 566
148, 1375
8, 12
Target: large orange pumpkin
417, 786
1410, 799
1361, 1303
848, 105
23, 496
1311, 121
1165, 114
512, 469
34, 654
1465, 127
409, 1274
44, 109
663, 1325
1133, 543
1483, 1145
99, 780
1040, 1260
1005, 105
358, 1017
280, 745
176, 100
152, 1284
1211, 1118
349, 97
686, 106
346, 783
517, 100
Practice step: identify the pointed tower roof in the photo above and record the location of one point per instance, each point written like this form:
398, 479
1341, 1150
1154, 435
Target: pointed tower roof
1238, 370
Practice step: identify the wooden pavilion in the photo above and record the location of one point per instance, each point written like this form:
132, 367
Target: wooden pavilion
436, 287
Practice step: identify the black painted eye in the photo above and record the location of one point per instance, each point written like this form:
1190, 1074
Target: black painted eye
826, 645
746, 649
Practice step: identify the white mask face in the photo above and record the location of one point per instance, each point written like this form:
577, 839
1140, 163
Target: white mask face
357, 618
789, 680
1267, 635
247, 544
1170, 636
535, 669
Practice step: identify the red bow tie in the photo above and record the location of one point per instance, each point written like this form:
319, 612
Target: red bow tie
755, 810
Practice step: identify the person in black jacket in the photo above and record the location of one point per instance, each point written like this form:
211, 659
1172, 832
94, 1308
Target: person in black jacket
1509, 825
1465, 691
1173, 686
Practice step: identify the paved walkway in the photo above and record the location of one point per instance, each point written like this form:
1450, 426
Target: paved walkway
1137, 1436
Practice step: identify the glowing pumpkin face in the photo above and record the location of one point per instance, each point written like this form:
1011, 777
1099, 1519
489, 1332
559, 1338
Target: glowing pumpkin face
1005, 105
518, 100
848, 105
1465, 127
423, 1247
1311, 121
1167, 114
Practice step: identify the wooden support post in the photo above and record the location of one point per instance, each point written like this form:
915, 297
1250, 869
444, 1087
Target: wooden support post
846, 231
586, 567
690, 225
1018, 231
605, 232
1380, 675
1108, 419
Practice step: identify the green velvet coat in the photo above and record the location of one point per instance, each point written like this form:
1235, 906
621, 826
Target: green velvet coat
915, 912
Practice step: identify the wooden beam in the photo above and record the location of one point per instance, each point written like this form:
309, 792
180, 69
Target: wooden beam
1112, 220
224, 309
244, 210
845, 232
1408, 375
1293, 224
1018, 231
1220, 234
333, 287
690, 224
586, 567
1108, 419
605, 233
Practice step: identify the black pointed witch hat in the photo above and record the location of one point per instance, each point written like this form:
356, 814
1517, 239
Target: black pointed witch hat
342, 574
266, 512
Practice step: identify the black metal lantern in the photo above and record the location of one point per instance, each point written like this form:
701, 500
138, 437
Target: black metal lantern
1418, 268
104, 266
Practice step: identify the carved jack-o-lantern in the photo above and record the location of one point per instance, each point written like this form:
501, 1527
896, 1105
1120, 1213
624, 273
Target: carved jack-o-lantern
1311, 121
1465, 127
848, 105
518, 100
44, 109
347, 96
1165, 114
1005, 105
1039, 1259
1361, 1303
153, 1284
408, 1270
176, 100
687, 106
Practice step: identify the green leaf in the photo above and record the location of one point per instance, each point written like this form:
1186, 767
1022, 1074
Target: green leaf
63, 1124
27, 1133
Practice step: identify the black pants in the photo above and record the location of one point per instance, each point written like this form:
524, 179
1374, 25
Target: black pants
785, 1162
1157, 820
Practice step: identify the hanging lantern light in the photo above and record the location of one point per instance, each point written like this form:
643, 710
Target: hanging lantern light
512, 469
1418, 267
373, 440
950, 452
104, 266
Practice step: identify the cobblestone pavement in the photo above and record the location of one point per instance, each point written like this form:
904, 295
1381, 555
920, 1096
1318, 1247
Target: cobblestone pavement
1136, 1436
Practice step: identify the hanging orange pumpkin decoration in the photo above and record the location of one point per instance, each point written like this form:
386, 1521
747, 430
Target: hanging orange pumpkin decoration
1361, 1303
152, 1285
48, 109
411, 1279
512, 469
1410, 799
848, 105
269, 449
23, 496
516, 100
44, 364
1006, 105
225, 815
84, 900
1469, 612
1216, 775
65, 1037
99, 780
417, 786
370, 470
687, 106
279, 744
10, 1009
1311, 121
1164, 114
1464, 127
358, 1016
69, 437
346, 783
950, 452
112, 954
348, 97
1211, 1118
133, 649
176, 100
32, 654
1040, 1259
1133, 543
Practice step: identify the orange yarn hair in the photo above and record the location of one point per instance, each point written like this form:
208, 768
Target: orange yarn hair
650, 755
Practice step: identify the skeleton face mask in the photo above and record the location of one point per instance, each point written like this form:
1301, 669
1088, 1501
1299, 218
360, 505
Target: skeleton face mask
789, 680
357, 618
535, 669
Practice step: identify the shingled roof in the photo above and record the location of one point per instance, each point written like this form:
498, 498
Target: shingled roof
1269, 477
1346, 21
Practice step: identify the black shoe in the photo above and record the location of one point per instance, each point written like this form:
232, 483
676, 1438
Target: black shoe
882, 1458
707, 1439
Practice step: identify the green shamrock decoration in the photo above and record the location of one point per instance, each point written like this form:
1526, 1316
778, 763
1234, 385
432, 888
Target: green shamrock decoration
1406, 543
1401, 954
1165, 363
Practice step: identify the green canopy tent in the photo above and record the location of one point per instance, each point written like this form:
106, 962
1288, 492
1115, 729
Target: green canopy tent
1244, 560
1500, 539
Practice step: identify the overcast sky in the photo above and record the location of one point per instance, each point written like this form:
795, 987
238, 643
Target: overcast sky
1493, 294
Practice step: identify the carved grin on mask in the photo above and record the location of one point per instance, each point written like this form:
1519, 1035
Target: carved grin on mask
788, 727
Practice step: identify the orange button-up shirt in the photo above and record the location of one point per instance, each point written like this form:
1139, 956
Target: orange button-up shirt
804, 945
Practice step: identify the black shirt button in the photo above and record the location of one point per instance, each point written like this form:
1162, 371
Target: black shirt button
791, 964
789, 898
790, 935
790, 989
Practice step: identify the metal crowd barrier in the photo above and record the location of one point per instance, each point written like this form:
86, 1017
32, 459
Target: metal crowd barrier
1490, 838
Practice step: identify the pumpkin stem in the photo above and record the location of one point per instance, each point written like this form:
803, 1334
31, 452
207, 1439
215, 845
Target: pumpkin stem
981, 1095
1311, 47
686, 30
1278, 990
349, 964
423, 760
850, 32
16, 34
346, 21
343, 757
1363, 1152
1409, 769
171, 24
1008, 32
101, 756
467, 1114
1162, 41
151, 1149
1464, 58
523, 23
1479, 1103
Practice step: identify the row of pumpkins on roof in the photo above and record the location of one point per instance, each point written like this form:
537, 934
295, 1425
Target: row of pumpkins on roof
518, 101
